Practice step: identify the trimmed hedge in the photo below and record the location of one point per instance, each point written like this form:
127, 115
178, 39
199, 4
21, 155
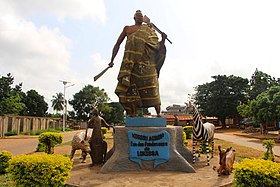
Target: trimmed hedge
185, 141
5, 156
40, 170
49, 140
104, 130
268, 144
189, 131
257, 173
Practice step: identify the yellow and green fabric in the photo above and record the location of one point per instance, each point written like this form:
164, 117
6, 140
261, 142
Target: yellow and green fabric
138, 75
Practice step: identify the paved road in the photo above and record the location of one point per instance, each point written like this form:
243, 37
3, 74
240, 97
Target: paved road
18, 145
249, 142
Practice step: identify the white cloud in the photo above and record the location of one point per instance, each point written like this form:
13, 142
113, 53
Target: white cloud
92, 9
40, 56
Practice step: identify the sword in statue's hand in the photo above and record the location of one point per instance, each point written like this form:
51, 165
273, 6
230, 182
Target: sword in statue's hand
147, 20
102, 72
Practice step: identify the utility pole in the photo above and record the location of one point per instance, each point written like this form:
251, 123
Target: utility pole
64, 103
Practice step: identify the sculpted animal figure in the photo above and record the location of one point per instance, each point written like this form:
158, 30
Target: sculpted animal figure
227, 157
201, 132
79, 143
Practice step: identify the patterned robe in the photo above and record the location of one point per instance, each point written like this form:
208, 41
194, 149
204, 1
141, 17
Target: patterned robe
138, 75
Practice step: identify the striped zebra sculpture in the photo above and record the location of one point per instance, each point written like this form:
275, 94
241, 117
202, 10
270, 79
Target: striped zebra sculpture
201, 132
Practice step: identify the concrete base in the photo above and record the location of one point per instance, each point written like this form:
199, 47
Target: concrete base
119, 161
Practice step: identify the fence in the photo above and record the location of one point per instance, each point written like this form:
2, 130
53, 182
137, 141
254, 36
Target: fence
24, 124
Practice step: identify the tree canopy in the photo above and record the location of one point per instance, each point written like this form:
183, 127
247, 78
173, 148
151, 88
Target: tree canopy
115, 114
14, 101
88, 98
221, 97
260, 82
35, 104
58, 102
10, 98
265, 108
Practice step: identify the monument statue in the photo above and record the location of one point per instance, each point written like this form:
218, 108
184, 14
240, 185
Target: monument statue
97, 145
143, 57
143, 143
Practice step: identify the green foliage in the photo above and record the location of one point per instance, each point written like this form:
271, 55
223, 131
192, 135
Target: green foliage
88, 98
268, 144
104, 130
41, 147
115, 114
203, 150
57, 115
188, 130
257, 173
185, 141
11, 104
5, 156
35, 104
58, 102
12, 133
49, 140
221, 97
259, 83
265, 108
38, 132
40, 170
5, 180
10, 98
243, 110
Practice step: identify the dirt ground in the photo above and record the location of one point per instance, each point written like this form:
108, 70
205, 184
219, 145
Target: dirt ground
84, 175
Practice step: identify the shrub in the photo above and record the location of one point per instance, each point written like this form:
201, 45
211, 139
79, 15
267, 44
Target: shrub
40, 170
12, 133
257, 173
49, 140
104, 130
203, 146
41, 147
5, 156
185, 141
38, 132
188, 130
268, 144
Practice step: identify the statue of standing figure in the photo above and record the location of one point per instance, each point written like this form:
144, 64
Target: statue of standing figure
98, 147
138, 76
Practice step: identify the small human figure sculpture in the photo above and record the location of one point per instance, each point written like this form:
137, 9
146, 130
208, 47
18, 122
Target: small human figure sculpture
138, 76
97, 145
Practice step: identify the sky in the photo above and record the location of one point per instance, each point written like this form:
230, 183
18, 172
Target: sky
45, 42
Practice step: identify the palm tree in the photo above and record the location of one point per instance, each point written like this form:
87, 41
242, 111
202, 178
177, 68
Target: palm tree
58, 102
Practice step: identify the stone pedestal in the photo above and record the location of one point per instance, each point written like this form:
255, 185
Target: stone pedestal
179, 156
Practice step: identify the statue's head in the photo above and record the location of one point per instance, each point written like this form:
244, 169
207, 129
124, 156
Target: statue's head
138, 16
95, 111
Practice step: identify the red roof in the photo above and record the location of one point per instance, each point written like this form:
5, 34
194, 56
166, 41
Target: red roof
168, 116
185, 118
